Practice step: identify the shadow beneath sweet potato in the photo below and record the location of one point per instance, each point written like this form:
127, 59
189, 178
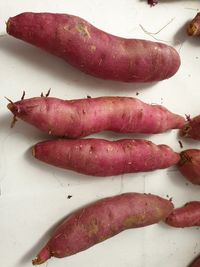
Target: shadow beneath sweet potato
33, 251
60, 70
63, 177
23, 130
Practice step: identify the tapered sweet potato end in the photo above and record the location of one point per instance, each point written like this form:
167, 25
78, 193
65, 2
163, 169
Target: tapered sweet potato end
43, 256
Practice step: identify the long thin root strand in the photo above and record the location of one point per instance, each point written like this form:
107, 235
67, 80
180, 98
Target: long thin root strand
14, 120
23, 95
9, 100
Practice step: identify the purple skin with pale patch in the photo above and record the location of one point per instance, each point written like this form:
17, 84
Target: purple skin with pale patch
192, 128
102, 220
186, 216
189, 165
93, 51
99, 157
82, 117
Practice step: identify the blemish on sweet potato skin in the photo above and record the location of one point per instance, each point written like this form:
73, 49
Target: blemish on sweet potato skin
192, 128
193, 28
189, 165
104, 219
71, 38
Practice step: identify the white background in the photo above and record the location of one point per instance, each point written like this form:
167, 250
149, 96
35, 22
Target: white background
33, 196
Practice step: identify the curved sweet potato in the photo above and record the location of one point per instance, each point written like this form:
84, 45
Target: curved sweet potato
100, 157
82, 117
189, 165
186, 216
102, 220
93, 51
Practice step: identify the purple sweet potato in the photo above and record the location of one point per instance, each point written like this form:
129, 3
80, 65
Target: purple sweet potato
186, 216
93, 51
100, 157
189, 165
192, 128
152, 2
196, 262
102, 220
193, 28
82, 117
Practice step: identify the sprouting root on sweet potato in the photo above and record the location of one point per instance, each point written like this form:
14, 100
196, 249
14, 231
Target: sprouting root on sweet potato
82, 117
102, 220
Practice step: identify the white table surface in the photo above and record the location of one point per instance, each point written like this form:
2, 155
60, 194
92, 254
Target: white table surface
34, 196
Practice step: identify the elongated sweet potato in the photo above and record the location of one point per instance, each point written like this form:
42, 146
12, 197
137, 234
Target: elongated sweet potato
189, 165
100, 157
186, 216
82, 117
192, 129
196, 262
93, 51
102, 220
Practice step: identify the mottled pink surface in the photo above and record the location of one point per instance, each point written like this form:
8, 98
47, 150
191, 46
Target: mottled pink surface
196, 263
93, 51
100, 157
192, 128
187, 216
189, 165
104, 219
82, 117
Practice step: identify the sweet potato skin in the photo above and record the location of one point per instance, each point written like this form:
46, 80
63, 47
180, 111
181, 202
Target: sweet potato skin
82, 117
99, 157
93, 51
192, 129
102, 220
186, 216
189, 165
193, 28
196, 262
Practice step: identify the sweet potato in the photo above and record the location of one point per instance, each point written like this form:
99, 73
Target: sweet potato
102, 220
152, 2
189, 165
196, 262
82, 117
192, 128
93, 51
100, 157
193, 28
186, 216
